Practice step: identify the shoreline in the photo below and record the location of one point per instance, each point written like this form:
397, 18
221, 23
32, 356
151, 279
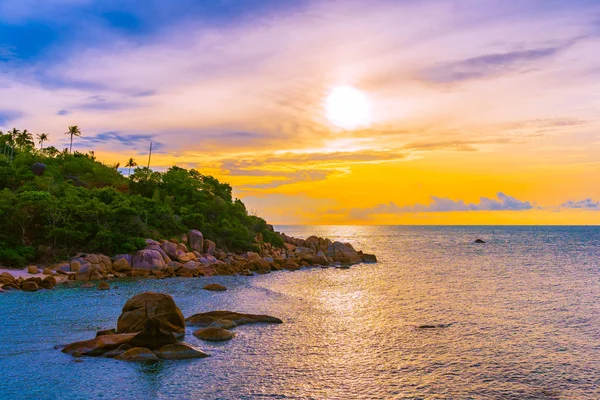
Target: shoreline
190, 256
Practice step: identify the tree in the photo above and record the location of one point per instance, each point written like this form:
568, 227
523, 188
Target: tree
130, 163
24, 139
42, 137
12, 135
73, 131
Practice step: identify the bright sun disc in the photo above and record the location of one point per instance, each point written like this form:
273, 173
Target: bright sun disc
348, 108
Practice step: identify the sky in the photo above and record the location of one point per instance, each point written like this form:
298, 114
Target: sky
471, 112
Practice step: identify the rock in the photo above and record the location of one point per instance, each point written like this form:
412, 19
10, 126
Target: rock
210, 247
148, 259
29, 286
196, 240
187, 257
47, 271
38, 168
87, 285
7, 276
207, 318
75, 266
11, 286
147, 305
344, 253
479, 241
172, 250
214, 334
119, 350
152, 336
99, 345
223, 323
106, 332
291, 265
179, 351
103, 286
32, 269
215, 287
48, 282
121, 265
88, 272
433, 326
164, 255
137, 354
369, 258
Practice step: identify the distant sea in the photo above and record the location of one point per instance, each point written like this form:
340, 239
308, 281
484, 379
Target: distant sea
523, 313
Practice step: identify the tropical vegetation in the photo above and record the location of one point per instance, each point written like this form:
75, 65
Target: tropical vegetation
56, 203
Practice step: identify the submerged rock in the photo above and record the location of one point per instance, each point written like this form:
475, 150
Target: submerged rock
103, 286
433, 326
479, 241
148, 305
215, 287
207, 318
179, 351
137, 354
223, 323
214, 334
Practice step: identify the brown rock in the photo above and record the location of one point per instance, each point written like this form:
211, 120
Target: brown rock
223, 323
106, 332
148, 259
32, 269
75, 266
152, 336
369, 258
87, 285
103, 286
121, 265
291, 265
98, 345
48, 282
29, 286
214, 334
215, 287
119, 350
147, 305
7, 276
196, 240
210, 247
47, 271
207, 318
179, 351
137, 354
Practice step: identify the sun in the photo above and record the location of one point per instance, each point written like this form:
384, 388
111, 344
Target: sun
348, 108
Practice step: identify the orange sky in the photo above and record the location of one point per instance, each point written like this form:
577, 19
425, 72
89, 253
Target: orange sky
477, 114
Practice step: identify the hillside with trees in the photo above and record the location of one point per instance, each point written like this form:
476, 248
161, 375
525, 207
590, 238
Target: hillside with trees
55, 203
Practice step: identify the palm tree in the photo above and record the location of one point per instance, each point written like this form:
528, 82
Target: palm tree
130, 163
42, 137
12, 135
24, 139
73, 131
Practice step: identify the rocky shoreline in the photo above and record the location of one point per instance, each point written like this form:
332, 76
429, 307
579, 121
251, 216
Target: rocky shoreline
190, 255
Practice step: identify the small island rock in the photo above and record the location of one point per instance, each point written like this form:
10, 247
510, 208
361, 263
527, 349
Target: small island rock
479, 241
179, 351
207, 318
215, 287
147, 305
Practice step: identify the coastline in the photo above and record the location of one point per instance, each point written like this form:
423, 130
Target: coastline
188, 256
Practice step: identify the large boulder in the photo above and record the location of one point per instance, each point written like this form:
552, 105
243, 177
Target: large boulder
29, 286
196, 240
148, 305
153, 337
121, 265
164, 255
32, 269
88, 272
344, 253
210, 247
148, 259
179, 351
207, 318
172, 250
137, 354
97, 346
214, 334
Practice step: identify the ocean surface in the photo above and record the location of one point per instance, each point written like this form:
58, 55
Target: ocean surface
523, 309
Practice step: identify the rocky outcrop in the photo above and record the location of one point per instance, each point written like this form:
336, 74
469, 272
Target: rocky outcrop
97, 346
207, 318
144, 306
213, 334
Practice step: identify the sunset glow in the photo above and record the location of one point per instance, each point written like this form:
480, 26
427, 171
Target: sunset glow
348, 108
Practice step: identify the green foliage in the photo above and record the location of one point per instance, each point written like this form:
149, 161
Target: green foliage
81, 204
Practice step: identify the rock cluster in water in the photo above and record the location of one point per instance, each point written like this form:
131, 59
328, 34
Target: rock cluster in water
192, 256
150, 327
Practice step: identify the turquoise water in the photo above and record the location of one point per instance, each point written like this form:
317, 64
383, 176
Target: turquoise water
524, 311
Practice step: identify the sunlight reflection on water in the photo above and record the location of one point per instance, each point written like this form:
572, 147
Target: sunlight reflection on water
524, 311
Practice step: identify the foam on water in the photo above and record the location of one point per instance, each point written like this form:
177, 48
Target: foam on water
523, 309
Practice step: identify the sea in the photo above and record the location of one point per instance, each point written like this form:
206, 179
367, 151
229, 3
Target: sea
515, 318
